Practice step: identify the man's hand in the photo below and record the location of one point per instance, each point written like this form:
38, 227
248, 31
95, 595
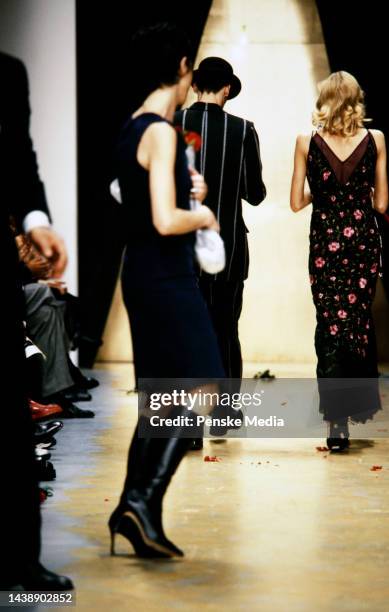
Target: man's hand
52, 247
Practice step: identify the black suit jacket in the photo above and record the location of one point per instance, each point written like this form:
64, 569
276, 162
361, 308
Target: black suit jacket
230, 161
21, 190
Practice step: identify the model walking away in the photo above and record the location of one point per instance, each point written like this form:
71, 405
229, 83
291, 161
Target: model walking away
345, 165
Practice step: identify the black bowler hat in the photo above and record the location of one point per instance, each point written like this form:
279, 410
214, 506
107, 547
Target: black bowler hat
215, 72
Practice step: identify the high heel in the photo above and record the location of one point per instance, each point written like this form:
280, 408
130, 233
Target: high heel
146, 546
338, 438
152, 463
338, 444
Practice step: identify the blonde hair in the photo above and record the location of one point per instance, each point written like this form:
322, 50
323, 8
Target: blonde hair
340, 108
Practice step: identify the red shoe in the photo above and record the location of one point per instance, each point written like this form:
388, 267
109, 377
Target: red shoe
39, 412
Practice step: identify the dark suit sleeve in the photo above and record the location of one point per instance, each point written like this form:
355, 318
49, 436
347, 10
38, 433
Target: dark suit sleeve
253, 187
178, 119
24, 186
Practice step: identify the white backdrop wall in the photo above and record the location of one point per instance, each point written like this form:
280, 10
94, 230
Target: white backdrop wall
277, 49
42, 34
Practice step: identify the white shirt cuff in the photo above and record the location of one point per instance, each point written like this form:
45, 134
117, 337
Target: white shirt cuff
36, 218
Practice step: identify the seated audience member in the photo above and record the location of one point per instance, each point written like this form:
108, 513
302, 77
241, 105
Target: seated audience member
62, 382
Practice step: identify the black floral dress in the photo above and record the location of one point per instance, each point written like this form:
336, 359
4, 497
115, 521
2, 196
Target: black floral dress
344, 264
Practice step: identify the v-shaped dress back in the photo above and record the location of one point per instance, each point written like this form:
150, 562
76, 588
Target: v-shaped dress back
344, 264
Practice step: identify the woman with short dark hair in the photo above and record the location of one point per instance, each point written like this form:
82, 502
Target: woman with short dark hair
171, 329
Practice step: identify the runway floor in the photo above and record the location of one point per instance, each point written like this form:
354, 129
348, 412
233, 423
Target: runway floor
274, 526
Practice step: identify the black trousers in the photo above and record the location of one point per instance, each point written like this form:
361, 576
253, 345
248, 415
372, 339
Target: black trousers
224, 300
20, 526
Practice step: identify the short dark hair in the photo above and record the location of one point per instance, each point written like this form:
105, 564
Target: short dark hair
210, 82
156, 53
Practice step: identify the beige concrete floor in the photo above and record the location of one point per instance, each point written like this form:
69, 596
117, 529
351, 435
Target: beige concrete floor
274, 526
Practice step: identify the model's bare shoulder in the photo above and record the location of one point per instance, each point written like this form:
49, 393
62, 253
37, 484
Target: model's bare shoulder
302, 142
379, 137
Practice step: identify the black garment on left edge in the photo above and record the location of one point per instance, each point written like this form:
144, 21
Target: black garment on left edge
21, 192
231, 163
21, 189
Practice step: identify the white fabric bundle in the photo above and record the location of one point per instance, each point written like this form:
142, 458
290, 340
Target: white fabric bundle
209, 246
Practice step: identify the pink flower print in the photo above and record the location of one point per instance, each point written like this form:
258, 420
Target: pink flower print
348, 232
350, 197
333, 198
326, 175
362, 283
367, 326
361, 265
345, 262
329, 231
332, 278
333, 246
342, 314
321, 295
325, 314
333, 330
373, 269
319, 262
336, 298
323, 216
363, 169
372, 231
352, 298
357, 214
362, 247
341, 214
351, 336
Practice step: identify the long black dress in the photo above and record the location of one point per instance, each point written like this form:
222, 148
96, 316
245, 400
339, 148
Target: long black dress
344, 263
171, 329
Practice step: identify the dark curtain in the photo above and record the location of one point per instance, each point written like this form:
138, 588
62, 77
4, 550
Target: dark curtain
106, 95
356, 40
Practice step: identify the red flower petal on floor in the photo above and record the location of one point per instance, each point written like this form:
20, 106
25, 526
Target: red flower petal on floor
375, 468
212, 459
321, 449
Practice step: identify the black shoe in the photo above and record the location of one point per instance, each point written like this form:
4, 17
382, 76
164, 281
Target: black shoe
88, 382
45, 470
197, 444
138, 517
81, 381
225, 412
45, 432
38, 578
338, 439
71, 411
75, 394
338, 444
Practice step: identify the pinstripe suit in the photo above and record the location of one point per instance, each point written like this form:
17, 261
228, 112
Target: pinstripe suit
230, 161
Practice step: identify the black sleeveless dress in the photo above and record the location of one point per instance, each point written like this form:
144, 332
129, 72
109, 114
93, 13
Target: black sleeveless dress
171, 328
344, 263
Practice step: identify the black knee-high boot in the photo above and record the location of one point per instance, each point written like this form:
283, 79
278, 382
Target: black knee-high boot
152, 463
